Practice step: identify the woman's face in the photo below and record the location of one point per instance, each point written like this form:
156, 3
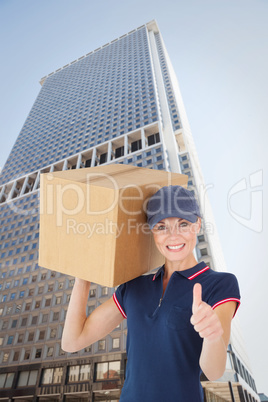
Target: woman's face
175, 238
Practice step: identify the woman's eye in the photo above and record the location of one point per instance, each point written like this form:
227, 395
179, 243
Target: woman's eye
183, 224
161, 227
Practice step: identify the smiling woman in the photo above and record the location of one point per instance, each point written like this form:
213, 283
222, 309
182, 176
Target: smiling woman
175, 239
174, 218
178, 319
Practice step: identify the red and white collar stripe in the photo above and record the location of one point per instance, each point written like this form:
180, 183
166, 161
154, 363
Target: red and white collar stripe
198, 273
190, 277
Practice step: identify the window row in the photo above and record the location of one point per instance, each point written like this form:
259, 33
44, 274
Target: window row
21, 204
52, 350
34, 277
47, 301
30, 291
33, 336
92, 157
74, 374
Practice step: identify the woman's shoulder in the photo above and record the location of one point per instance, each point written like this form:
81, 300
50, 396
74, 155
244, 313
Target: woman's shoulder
221, 280
221, 275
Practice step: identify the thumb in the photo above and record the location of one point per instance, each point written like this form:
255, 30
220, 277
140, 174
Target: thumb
197, 296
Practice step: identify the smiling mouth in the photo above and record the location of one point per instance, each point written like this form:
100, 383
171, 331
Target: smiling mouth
178, 247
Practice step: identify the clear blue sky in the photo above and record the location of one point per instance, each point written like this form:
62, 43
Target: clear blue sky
219, 52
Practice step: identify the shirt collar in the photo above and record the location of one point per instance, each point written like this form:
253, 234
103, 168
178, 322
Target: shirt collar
190, 273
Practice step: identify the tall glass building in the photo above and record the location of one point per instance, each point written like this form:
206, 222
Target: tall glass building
117, 104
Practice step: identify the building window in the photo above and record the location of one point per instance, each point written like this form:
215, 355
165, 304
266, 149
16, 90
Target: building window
45, 318
107, 370
102, 344
88, 163
38, 353
34, 320
4, 325
41, 335
6, 380
52, 376
27, 354
104, 291
47, 302
204, 251
10, 340
116, 343
53, 333
201, 238
119, 152
92, 293
9, 310
16, 356
27, 378
30, 336
50, 351
71, 283
56, 316
37, 304
79, 373
20, 338
40, 290
153, 139
4, 298
135, 145
103, 158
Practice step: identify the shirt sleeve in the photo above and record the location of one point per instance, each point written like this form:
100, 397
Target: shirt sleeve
118, 297
224, 290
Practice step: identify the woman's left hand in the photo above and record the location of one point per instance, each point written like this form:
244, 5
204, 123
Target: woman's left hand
205, 321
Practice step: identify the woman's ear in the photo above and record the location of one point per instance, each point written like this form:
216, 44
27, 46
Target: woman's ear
198, 222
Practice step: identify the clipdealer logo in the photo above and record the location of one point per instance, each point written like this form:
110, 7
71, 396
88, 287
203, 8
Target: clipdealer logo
107, 227
250, 192
69, 199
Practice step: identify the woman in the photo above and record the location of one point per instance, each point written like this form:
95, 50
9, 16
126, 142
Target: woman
178, 320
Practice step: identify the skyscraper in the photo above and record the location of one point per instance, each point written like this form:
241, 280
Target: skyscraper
118, 104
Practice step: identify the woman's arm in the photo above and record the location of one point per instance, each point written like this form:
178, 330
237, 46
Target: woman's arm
81, 331
215, 327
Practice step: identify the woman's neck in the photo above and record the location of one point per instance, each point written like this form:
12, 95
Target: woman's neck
172, 266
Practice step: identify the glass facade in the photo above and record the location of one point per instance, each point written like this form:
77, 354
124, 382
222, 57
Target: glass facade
106, 94
110, 106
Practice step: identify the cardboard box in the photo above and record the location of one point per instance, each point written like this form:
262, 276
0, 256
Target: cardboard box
93, 222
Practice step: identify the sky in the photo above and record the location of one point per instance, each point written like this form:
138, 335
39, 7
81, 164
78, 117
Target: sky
218, 49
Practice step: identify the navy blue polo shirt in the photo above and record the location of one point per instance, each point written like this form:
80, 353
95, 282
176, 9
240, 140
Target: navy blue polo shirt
163, 348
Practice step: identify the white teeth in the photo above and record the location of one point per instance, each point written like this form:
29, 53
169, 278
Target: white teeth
175, 247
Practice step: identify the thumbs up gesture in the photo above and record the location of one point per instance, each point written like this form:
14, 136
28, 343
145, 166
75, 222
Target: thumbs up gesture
204, 319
